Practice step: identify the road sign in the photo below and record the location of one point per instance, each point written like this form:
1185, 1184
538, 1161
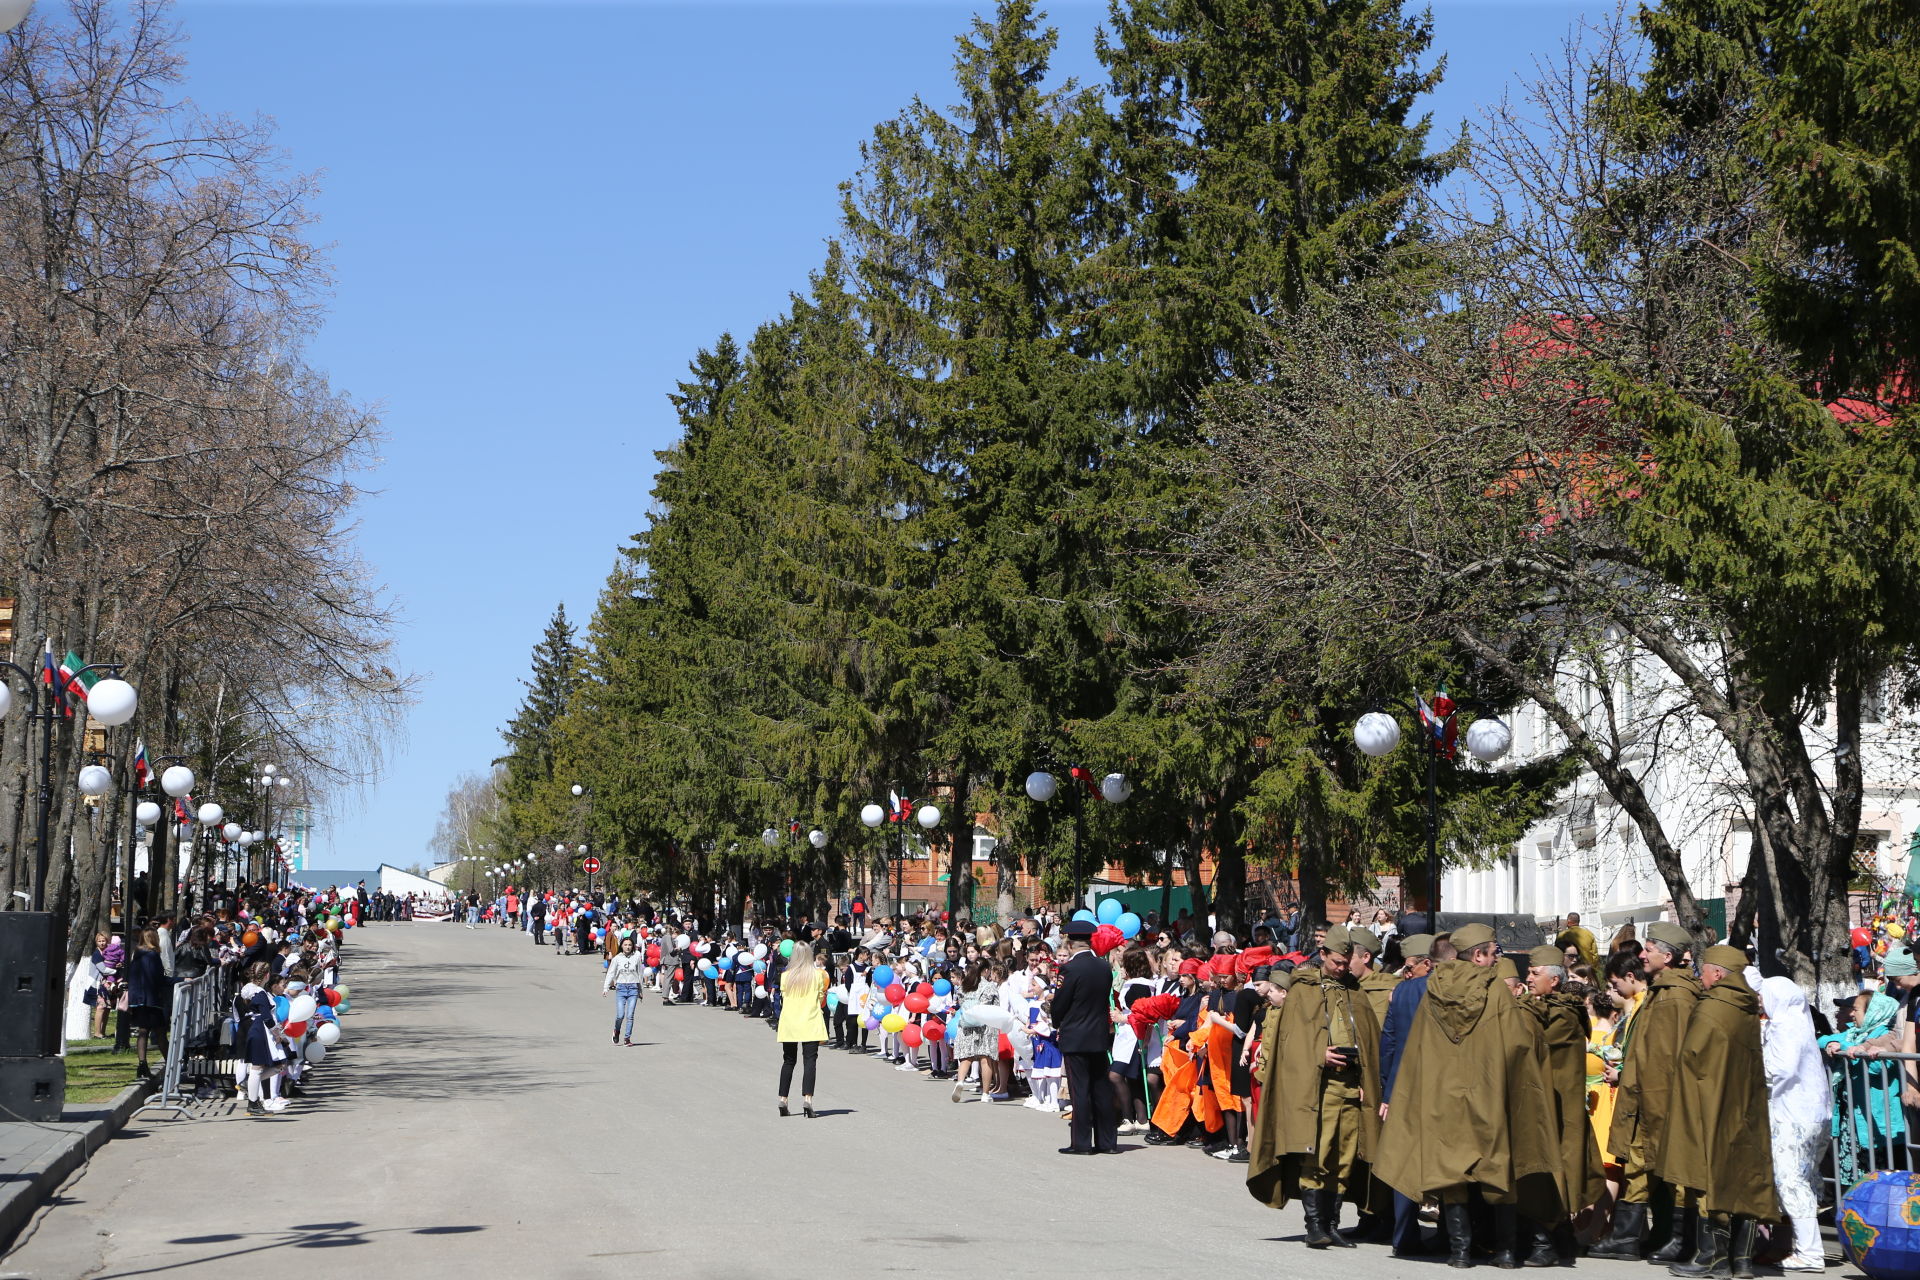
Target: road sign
590, 866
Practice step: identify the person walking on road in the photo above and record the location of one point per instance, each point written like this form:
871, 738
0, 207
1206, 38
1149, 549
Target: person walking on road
625, 973
803, 1027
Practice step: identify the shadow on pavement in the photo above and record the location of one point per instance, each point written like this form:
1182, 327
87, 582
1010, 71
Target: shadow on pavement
315, 1235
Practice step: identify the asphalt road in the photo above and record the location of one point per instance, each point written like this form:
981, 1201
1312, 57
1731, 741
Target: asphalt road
476, 1121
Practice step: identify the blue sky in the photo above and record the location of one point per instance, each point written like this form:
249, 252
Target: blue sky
538, 213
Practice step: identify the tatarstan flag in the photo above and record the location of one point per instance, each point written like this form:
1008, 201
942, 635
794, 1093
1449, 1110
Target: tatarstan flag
75, 679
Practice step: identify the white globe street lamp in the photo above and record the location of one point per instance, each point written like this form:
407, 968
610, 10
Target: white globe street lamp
769, 837
112, 701
210, 814
146, 813
177, 781
817, 838
1376, 733
928, 817
95, 781
872, 815
579, 790
246, 839
1488, 739
230, 832
1042, 787
1115, 789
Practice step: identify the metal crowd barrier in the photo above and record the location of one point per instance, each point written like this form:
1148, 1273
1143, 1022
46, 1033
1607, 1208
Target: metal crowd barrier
200, 1005
1873, 1129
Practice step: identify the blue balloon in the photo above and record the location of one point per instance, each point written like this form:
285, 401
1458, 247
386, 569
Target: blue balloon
759, 966
833, 1000
1086, 915
883, 976
280, 1007
1110, 910
941, 987
1128, 925
708, 971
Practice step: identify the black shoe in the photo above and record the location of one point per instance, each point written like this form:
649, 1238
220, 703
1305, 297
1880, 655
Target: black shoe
1683, 1243
1076, 1151
1158, 1138
783, 1110
1330, 1219
256, 1109
1457, 1221
1710, 1258
1740, 1248
1540, 1250
1316, 1237
1506, 1225
807, 1110
1627, 1238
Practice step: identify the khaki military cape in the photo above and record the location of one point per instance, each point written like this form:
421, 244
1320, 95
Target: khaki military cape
1287, 1126
1718, 1138
1379, 988
1470, 1106
1654, 1037
1563, 1028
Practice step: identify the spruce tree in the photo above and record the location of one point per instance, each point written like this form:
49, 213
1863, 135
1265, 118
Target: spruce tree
530, 736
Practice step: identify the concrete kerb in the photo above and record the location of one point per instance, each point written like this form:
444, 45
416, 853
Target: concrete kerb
37, 1159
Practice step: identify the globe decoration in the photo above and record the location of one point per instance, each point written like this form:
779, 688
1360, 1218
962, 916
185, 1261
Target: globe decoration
1880, 1225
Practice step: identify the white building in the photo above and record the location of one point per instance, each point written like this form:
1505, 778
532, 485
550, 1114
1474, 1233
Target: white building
1588, 855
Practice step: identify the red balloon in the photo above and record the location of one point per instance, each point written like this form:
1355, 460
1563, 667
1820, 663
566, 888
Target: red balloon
934, 1030
331, 996
679, 975
896, 994
916, 1003
1006, 1046
1861, 938
295, 1030
923, 988
910, 1036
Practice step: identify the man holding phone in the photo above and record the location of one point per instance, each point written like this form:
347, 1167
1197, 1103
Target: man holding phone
1318, 1124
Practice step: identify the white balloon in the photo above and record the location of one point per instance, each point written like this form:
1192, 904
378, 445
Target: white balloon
759, 951
316, 1050
873, 815
1488, 739
147, 813
177, 781
928, 817
95, 781
328, 1034
112, 701
301, 1007
1042, 786
682, 941
1376, 733
13, 13
1115, 788
210, 814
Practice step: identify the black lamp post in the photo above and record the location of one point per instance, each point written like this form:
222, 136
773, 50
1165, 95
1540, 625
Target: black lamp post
1376, 733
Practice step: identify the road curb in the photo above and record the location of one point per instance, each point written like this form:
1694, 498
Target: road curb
23, 1190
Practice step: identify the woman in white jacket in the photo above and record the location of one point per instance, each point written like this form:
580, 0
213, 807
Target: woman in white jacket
625, 972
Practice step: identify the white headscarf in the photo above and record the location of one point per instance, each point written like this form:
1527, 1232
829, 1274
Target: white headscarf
1796, 1080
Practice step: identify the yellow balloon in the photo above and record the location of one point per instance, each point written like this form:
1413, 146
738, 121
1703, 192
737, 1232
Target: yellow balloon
893, 1022
1896, 931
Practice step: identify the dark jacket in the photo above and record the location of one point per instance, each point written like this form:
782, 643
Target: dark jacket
1081, 1004
147, 985
1393, 1033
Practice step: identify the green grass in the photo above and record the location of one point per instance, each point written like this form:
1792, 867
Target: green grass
98, 1077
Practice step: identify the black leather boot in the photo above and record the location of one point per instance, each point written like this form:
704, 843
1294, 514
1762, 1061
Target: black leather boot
1506, 1226
1540, 1250
1317, 1237
1710, 1258
1628, 1236
1684, 1243
1457, 1220
1740, 1248
1330, 1219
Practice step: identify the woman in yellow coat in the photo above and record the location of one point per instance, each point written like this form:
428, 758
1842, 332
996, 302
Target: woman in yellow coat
803, 1025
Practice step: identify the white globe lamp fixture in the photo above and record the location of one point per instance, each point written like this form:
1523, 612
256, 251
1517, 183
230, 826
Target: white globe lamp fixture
95, 781
210, 814
146, 813
268, 770
246, 839
1042, 787
1376, 733
559, 848
1488, 739
112, 701
13, 13
177, 781
1115, 789
581, 850
817, 838
579, 790
872, 815
928, 817
230, 833
769, 837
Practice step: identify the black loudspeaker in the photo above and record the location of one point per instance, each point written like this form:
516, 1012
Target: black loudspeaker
32, 1089
33, 962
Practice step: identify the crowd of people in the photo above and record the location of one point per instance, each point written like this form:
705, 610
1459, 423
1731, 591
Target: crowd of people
1653, 1098
275, 953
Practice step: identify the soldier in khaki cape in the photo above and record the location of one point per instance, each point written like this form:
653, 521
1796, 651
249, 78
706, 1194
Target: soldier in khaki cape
1470, 1107
1719, 1147
1651, 1047
1377, 984
1318, 1124
1564, 1026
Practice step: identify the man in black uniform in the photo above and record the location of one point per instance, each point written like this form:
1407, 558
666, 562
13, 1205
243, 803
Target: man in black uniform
1084, 1027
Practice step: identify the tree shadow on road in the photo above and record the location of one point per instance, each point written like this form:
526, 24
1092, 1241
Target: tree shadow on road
312, 1235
